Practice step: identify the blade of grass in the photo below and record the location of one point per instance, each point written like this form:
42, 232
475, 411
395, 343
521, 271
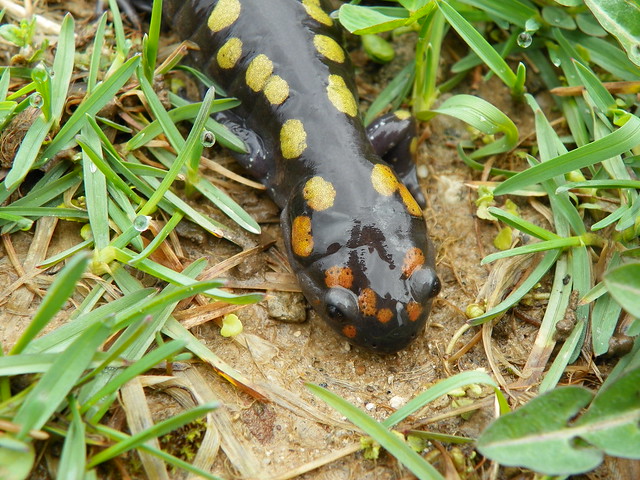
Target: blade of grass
481, 47
394, 445
58, 339
62, 68
483, 116
57, 294
616, 143
522, 225
74, 451
95, 187
169, 459
91, 105
441, 388
139, 367
52, 388
541, 269
185, 149
161, 428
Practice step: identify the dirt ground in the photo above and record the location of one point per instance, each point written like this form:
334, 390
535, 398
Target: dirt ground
295, 428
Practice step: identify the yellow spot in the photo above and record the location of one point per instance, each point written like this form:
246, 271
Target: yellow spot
329, 48
301, 237
414, 309
349, 331
314, 11
409, 202
258, 72
224, 14
319, 193
293, 138
413, 260
337, 276
367, 302
340, 95
402, 114
384, 180
229, 53
276, 90
384, 315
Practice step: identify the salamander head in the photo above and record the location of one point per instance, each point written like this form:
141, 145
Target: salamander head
364, 261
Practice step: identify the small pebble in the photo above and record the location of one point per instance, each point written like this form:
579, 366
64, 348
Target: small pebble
396, 402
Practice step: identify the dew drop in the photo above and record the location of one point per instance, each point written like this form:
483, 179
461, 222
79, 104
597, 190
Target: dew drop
208, 139
524, 39
141, 223
36, 100
92, 167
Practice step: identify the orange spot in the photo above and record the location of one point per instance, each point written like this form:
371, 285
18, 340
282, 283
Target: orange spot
410, 202
384, 315
384, 180
412, 260
367, 302
338, 277
349, 331
301, 237
414, 309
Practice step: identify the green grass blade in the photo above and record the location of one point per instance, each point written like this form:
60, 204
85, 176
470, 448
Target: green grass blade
46, 212
57, 294
541, 269
557, 243
368, 20
169, 459
228, 206
522, 225
28, 152
96, 53
616, 143
150, 50
189, 111
436, 391
91, 105
62, 68
158, 239
185, 149
95, 187
394, 445
45, 398
485, 117
166, 426
58, 339
479, 45
73, 458
395, 92
93, 153
513, 11
223, 135
139, 367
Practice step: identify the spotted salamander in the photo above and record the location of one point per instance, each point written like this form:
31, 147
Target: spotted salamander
354, 232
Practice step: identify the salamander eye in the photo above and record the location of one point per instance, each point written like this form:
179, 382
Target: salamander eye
340, 304
425, 284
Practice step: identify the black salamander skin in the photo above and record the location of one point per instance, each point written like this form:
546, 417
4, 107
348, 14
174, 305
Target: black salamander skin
354, 232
